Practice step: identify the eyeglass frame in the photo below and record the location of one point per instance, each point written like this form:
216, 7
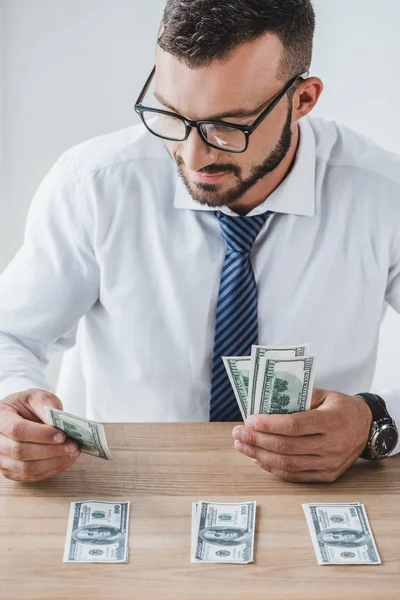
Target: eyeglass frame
246, 129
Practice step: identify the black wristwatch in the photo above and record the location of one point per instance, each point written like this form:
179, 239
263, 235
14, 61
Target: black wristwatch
384, 435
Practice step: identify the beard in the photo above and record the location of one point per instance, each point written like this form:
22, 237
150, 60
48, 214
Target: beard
207, 194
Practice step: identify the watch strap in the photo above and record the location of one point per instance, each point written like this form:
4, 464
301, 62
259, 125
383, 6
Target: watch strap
379, 412
377, 406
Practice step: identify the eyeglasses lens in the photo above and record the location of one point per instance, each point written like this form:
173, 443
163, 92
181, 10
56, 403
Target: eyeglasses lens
165, 126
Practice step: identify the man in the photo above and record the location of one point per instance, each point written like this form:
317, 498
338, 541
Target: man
278, 229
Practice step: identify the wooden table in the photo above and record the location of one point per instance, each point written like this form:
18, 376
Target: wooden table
161, 469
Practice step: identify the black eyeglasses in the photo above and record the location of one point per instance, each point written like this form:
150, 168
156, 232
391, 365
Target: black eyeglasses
221, 135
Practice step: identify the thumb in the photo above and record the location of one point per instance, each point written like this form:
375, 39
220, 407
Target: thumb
39, 399
318, 397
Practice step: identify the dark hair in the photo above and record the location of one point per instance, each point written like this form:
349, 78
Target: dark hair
200, 31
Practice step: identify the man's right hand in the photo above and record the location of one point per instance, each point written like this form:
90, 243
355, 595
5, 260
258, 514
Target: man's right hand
31, 450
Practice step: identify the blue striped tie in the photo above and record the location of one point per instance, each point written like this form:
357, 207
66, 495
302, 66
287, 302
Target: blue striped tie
236, 326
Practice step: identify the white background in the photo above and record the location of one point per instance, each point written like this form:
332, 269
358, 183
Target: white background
71, 70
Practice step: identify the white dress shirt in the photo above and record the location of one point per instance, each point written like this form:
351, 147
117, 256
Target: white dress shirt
115, 243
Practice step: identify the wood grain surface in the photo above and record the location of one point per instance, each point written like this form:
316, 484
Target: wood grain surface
161, 469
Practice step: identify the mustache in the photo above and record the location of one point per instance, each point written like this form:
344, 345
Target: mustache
214, 169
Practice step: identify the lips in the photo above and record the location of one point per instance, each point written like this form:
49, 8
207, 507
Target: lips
205, 178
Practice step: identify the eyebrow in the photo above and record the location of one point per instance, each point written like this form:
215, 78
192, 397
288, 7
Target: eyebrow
236, 114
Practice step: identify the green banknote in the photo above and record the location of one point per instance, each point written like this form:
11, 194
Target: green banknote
223, 532
90, 435
97, 532
238, 369
285, 385
255, 378
341, 534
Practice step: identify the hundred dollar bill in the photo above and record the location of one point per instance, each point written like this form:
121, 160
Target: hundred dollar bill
341, 534
90, 435
193, 531
97, 532
223, 532
285, 386
238, 369
259, 352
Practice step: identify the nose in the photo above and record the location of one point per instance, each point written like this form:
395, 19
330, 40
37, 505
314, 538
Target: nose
195, 153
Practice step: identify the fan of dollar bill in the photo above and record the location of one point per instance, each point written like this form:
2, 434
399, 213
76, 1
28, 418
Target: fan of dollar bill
272, 379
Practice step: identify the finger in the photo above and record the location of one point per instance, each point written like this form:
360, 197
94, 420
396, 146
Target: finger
28, 470
34, 478
284, 462
22, 430
308, 422
318, 397
39, 399
305, 476
282, 444
27, 451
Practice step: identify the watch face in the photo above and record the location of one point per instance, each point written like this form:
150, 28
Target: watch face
385, 440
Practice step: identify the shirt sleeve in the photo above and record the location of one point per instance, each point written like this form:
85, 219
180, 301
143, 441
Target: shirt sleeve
51, 282
392, 297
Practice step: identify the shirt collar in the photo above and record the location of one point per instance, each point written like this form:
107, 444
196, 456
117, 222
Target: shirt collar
295, 195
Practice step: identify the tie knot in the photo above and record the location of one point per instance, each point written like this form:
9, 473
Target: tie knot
240, 233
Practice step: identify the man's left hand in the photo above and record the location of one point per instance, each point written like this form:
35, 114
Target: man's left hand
316, 445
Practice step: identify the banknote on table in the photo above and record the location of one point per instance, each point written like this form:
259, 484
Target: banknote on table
223, 532
341, 534
97, 532
90, 435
